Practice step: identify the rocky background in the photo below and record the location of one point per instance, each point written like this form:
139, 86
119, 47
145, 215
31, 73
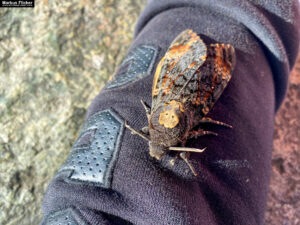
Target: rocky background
54, 59
283, 206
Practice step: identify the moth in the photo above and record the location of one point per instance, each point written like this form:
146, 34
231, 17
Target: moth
188, 80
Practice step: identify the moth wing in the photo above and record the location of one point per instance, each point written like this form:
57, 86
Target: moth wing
211, 78
184, 56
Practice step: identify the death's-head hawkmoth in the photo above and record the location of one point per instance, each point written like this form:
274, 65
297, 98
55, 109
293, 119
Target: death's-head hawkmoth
188, 80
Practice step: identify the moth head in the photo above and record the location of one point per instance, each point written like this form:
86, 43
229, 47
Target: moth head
156, 150
170, 115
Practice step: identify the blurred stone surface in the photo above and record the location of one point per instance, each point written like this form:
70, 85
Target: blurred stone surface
54, 59
283, 205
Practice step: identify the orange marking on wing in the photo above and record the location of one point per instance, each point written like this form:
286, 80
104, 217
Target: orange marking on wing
226, 71
157, 72
226, 67
217, 64
166, 75
181, 50
178, 51
203, 57
196, 101
181, 74
197, 97
220, 57
167, 90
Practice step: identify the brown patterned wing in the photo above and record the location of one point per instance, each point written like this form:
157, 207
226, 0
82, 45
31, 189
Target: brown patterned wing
210, 80
184, 56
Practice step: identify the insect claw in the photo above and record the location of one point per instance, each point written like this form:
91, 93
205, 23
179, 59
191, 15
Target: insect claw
200, 132
172, 162
145, 130
203, 149
211, 132
226, 125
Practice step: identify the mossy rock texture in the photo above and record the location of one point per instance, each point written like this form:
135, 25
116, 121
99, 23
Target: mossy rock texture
54, 59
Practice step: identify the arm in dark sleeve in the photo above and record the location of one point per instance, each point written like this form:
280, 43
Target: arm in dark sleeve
109, 177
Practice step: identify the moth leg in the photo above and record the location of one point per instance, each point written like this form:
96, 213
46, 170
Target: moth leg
186, 149
200, 132
146, 107
133, 131
185, 157
210, 120
145, 130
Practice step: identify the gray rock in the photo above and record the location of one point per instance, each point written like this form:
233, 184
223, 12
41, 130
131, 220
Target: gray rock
54, 59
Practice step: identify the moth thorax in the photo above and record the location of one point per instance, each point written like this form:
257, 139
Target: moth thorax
169, 117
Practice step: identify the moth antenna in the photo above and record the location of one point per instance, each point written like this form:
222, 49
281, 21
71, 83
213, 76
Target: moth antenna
135, 131
185, 149
146, 107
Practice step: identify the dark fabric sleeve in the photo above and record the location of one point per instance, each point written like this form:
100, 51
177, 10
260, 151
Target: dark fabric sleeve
110, 178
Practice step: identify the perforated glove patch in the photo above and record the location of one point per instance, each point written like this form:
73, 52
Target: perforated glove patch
92, 158
67, 216
137, 64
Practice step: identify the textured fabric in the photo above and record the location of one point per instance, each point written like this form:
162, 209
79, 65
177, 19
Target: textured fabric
234, 171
